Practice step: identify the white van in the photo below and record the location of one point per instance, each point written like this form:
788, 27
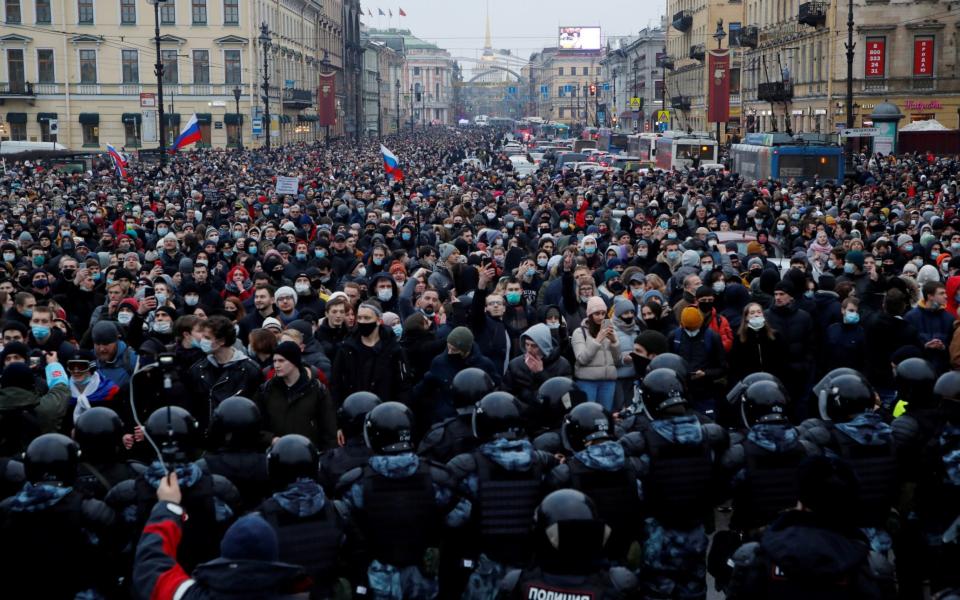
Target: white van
17, 147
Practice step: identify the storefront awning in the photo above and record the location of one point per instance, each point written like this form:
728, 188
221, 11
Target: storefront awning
17, 118
46, 116
204, 118
233, 119
131, 118
89, 118
172, 119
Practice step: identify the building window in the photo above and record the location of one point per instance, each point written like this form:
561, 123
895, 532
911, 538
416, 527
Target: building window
231, 66
128, 12
231, 12
201, 66
416, 70
13, 11
130, 66
131, 133
586, 70
15, 71
85, 12
436, 92
45, 69
45, 135
169, 59
560, 71
168, 13
88, 66
18, 132
199, 12
44, 16
91, 134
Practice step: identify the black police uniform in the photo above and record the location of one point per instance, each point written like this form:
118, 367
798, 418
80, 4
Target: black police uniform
238, 455
454, 435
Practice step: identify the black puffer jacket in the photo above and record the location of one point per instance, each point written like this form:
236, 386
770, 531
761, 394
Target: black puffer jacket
380, 369
796, 332
213, 383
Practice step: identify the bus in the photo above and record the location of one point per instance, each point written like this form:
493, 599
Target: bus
781, 157
612, 141
501, 122
643, 146
678, 150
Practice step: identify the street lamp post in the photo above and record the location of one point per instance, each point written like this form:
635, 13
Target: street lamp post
398, 105
236, 98
850, 46
158, 70
719, 35
379, 110
264, 39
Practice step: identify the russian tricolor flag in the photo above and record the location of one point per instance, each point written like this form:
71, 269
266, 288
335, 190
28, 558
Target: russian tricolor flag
119, 161
391, 164
189, 135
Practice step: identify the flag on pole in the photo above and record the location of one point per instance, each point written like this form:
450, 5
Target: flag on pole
189, 135
402, 14
369, 12
391, 164
119, 161
390, 10
380, 10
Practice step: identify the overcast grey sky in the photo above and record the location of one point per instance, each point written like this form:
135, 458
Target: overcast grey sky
522, 26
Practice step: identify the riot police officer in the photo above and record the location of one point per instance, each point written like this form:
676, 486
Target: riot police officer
606, 470
352, 451
393, 482
504, 480
568, 535
680, 489
210, 500
635, 416
554, 399
56, 543
454, 435
311, 528
237, 451
99, 432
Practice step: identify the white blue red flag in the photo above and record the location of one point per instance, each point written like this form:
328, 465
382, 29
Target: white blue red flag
189, 135
119, 161
391, 164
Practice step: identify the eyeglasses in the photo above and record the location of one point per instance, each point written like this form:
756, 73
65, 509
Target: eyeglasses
495, 303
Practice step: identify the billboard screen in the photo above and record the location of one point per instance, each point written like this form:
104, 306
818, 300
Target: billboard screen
579, 38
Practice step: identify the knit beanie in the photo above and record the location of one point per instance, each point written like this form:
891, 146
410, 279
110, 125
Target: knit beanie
596, 304
17, 375
290, 351
691, 318
286, 292
250, 538
621, 305
461, 338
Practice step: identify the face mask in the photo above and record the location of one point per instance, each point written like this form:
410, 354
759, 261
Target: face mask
320, 253
554, 325
379, 261
564, 224
38, 260
706, 307
205, 345
691, 333
831, 264
531, 272
28, 313
227, 253
808, 294
849, 267
161, 299
513, 297
707, 267
161, 326
385, 295
237, 235
191, 300
590, 250
491, 216
365, 329
162, 231
932, 305
301, 256
627, 320
851, 318
908, 248
9, 256
719, 286
542, 263
918, 262
934, 255
405, 236
252, 250
616, 287
301, 288
362, 272
40, 332
673, 254
41, 284
756, 323
124, 318
781, 226
671, 236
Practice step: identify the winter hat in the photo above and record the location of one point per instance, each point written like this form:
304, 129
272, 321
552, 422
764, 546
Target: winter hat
186, 265
786, 287
397, 267
691, 258
291, 352
18, 348
105, 332
17, 375
250, 538
903, 239
754, 262
855, 257
596, 304
652, 341
305, 328
691, 318
652, 295
131, 303
446, 250
927, 273
271, 322
284, 292
461, 338
621, 305
754, 248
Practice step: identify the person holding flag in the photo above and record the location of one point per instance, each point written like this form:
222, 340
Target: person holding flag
189, 135
391, 164
119, 161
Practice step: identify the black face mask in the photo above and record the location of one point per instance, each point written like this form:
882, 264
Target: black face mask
365, 329
706, 307
616, 287
627, 320
640, 364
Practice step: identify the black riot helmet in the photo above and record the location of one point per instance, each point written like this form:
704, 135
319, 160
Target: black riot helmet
585, 424
236, 424
292, 457
735, 395
51, 458
388, 429
175, 432
99, 431
498, 416
469, 386
947, 392
671, 361
847, 396
353, 412
555, 398
826, 383
764, 402
662, 390
568, 532
915, 381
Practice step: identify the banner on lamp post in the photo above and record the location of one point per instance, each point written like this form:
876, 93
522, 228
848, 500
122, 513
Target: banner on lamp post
718, 99
327, 99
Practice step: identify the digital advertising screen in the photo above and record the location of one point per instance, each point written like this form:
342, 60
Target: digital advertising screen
579, 38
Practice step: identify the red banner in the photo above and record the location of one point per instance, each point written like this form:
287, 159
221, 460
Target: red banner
718, 100
923, 56
327, 99
875, 65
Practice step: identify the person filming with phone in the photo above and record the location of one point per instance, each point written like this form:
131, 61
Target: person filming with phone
597, 354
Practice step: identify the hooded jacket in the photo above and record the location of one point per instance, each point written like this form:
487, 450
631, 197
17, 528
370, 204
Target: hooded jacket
48, 409
391, 305
231, 289
523, 383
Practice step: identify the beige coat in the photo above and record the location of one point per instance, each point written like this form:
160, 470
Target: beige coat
595, 361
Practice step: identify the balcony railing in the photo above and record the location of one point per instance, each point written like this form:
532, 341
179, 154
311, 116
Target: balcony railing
680, 102
698, 52
683, 20
813, 14
749, 36
775, 91
17, 89
134, 89
910, 84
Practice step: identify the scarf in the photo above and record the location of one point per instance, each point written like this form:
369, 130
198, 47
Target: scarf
97, 390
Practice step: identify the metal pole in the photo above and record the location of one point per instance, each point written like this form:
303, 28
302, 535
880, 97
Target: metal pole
158, 69
379, 115
596, 103
850, 46
265, 43
236, 97
398, 106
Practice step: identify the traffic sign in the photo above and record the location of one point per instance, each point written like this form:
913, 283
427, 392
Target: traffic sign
860, 132
663, 116
148, 100
636, 102
258, 126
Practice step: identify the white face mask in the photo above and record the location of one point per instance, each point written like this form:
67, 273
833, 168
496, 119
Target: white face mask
756, 323
302, 288
124, 317
162, 326
384, 295
191, 300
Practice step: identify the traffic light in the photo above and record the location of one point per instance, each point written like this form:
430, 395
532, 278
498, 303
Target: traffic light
593, 89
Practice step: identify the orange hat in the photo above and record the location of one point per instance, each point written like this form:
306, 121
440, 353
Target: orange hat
942, 257
754, 248
691, 318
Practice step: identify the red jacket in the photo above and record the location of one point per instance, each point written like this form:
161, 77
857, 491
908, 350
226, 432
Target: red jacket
720, 326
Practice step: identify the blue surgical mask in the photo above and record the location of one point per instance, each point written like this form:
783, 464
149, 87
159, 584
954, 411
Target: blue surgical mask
531, 272
162, 231
206, 345
191, 300
513, 297
161, 298
40, 332
405, 236
849, 267
227, 253
851, 318
28, 313
398, 330
252, 250
320, 253
39, 260
301, 256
